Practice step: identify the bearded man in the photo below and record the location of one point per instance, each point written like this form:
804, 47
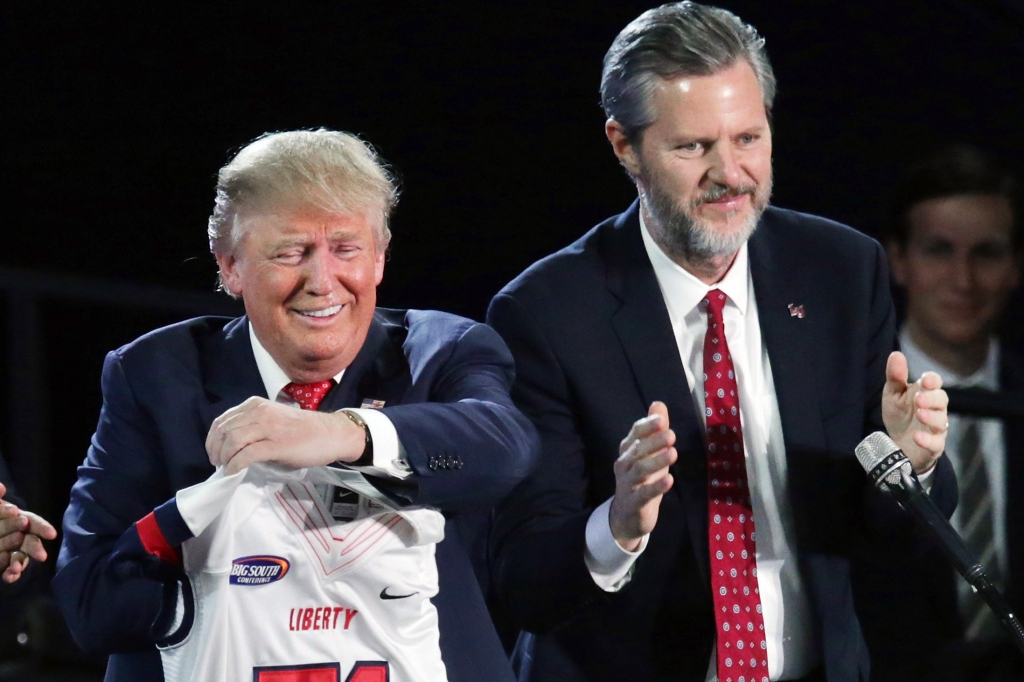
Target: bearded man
700, 369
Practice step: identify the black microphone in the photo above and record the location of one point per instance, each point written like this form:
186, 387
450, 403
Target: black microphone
890, 471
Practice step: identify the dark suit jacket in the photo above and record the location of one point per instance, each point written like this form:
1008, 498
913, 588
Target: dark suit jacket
445, 381
594, 347
912, 601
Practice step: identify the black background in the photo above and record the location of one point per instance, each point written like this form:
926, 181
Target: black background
117, 117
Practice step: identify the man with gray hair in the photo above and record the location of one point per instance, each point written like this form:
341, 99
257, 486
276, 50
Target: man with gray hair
410, 407
701, 368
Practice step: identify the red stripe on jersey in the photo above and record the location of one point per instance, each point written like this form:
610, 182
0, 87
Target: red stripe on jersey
153, 540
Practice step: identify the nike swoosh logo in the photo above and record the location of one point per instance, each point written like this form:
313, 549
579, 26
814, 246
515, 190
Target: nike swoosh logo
384, 595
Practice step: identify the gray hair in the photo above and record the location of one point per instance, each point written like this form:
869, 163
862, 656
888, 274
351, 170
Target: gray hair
328, 170
671, 41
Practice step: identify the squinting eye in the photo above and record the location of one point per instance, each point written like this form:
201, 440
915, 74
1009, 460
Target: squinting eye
691, 147
747, 139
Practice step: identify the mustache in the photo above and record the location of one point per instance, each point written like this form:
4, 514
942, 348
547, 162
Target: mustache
719, 192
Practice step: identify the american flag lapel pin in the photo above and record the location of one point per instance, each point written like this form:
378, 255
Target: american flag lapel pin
369, 404
796, 311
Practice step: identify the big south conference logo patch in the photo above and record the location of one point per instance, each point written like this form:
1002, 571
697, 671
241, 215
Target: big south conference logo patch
258, 570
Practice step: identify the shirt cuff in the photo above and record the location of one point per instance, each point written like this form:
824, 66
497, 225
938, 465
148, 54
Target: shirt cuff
610, 566
925, 479
388, 455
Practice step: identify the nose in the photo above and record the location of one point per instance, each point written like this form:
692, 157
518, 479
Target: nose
725, 168
319, 273
963, 274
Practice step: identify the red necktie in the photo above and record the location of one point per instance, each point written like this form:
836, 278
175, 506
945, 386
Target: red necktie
742, 648
308, 396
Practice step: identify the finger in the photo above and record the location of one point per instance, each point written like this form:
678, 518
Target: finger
642, 428
931, 381
3, 491
5, 560
8, 511
33, 547
14, 524
250, 454
653, 490
11, 542
932, 399
655, 442
40, 526
650, 467
223, 424
896, 372
219, 431
934, 443
936, 420
238, 439
14, 569
660, 410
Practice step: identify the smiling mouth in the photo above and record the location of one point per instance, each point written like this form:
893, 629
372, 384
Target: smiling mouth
325, 312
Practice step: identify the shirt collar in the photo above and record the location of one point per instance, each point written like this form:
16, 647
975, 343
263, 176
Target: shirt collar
920, 362
274, 378
683, 290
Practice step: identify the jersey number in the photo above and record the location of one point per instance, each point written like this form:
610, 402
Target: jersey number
362, 671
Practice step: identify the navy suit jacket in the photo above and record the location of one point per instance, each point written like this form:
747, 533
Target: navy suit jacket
594, 346
445, 383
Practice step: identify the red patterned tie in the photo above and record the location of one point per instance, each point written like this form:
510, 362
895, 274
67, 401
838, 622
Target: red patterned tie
308, 396
742, 648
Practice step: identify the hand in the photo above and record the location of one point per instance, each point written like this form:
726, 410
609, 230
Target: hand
642, 477
259, 430
915, 414
21, 538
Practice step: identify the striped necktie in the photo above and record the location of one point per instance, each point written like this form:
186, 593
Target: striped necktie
978, 533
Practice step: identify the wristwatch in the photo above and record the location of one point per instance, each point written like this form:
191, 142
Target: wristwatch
366, 459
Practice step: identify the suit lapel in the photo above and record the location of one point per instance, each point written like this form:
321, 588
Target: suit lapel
230, 372
373, 375
788, 338
645, 331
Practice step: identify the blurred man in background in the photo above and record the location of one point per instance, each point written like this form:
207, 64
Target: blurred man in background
953, 237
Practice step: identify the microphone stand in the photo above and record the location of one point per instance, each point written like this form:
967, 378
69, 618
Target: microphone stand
965, 564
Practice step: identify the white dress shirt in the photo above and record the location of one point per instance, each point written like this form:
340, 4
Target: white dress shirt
991, 438
792, 651
388, 457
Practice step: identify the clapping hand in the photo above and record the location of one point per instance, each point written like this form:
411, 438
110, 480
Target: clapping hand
21, 538
642, 477
915, 413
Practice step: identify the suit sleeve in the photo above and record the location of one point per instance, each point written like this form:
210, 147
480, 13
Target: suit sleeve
539, 537
118, 571
468, 445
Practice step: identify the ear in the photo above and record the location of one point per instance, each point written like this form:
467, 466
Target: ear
378, 265
897, 262
229, 273
622, 147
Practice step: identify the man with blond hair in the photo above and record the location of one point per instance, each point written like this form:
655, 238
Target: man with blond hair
413, 404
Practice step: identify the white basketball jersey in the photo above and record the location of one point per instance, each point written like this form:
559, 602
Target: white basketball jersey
290, 585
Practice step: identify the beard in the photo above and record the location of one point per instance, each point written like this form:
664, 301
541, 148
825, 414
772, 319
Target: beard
687, 237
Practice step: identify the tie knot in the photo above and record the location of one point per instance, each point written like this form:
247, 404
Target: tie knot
714, 302
309, 396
